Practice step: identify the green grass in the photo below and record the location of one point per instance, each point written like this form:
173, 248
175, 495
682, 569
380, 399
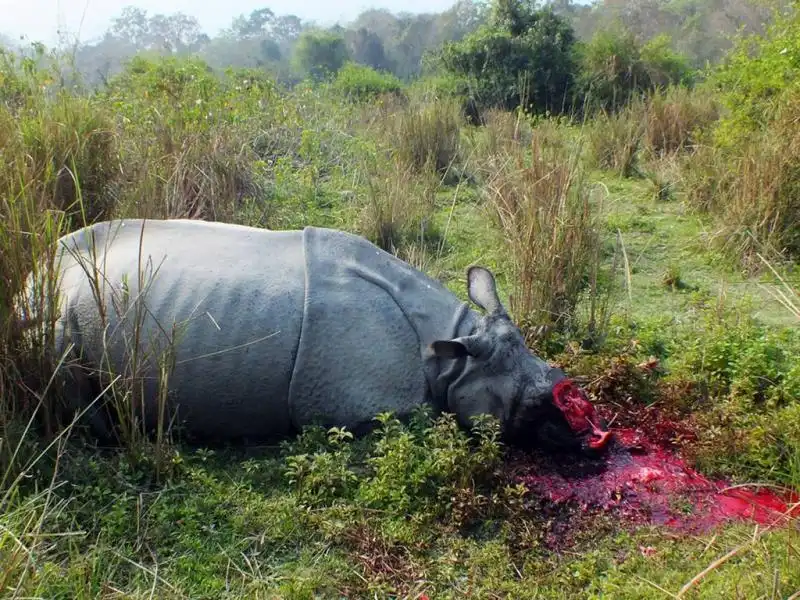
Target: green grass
413, 510
230, 524
658, 235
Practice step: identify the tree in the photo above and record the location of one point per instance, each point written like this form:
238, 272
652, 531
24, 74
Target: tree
367, 48
523, 55
257, 25
614, 67
132, 26
320, 53
175, 33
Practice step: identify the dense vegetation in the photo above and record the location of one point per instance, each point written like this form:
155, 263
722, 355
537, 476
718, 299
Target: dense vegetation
637, 209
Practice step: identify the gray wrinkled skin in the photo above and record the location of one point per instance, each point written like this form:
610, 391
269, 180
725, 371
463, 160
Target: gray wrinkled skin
275, 330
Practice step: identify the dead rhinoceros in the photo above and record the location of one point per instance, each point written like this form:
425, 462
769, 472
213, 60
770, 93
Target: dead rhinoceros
276, 330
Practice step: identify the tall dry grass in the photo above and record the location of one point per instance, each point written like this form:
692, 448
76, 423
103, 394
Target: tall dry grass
540, 199
753, 191
426, 135
500, 129
70, 159
397, 208
655, 129
675, 120
615, 139
50, 147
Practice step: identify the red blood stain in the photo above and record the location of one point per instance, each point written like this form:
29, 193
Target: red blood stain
644, 480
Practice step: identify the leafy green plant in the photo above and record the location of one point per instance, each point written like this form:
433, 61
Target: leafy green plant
361, 83
324, 475
419, 469
522, 57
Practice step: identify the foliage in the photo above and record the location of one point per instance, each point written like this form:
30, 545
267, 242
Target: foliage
611, 69
750, 373
748, 176
755, 79
615, 68
399, 43
702, 31
320, 53
419, 507
359, 82
522, 57
664, 65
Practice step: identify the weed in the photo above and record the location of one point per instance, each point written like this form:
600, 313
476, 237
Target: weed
398, 207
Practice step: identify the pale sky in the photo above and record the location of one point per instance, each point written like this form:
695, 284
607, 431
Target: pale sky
40, 19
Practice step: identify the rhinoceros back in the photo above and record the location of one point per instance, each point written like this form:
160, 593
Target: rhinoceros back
369, 318
228, 299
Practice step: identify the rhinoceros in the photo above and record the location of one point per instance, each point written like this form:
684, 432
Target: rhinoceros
270, 331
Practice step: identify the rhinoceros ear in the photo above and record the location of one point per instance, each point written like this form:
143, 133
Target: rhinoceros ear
459, 347
483, 290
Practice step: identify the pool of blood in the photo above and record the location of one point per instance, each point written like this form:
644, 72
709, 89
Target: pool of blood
644, 480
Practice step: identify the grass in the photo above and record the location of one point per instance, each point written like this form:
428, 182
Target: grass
415, 509
543, 208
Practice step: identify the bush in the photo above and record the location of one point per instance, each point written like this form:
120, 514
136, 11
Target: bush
362, 83
320, 53
663, 65
522, 57
757, 75
615, 69
611, 70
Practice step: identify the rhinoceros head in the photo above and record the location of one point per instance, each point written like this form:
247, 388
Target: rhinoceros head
497, 374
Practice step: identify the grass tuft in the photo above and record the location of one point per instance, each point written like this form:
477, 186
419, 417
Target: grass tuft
541, 201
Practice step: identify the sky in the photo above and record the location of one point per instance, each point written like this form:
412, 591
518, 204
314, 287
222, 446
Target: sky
39, 20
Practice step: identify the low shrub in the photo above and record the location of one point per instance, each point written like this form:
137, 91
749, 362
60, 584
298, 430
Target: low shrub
362, 83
